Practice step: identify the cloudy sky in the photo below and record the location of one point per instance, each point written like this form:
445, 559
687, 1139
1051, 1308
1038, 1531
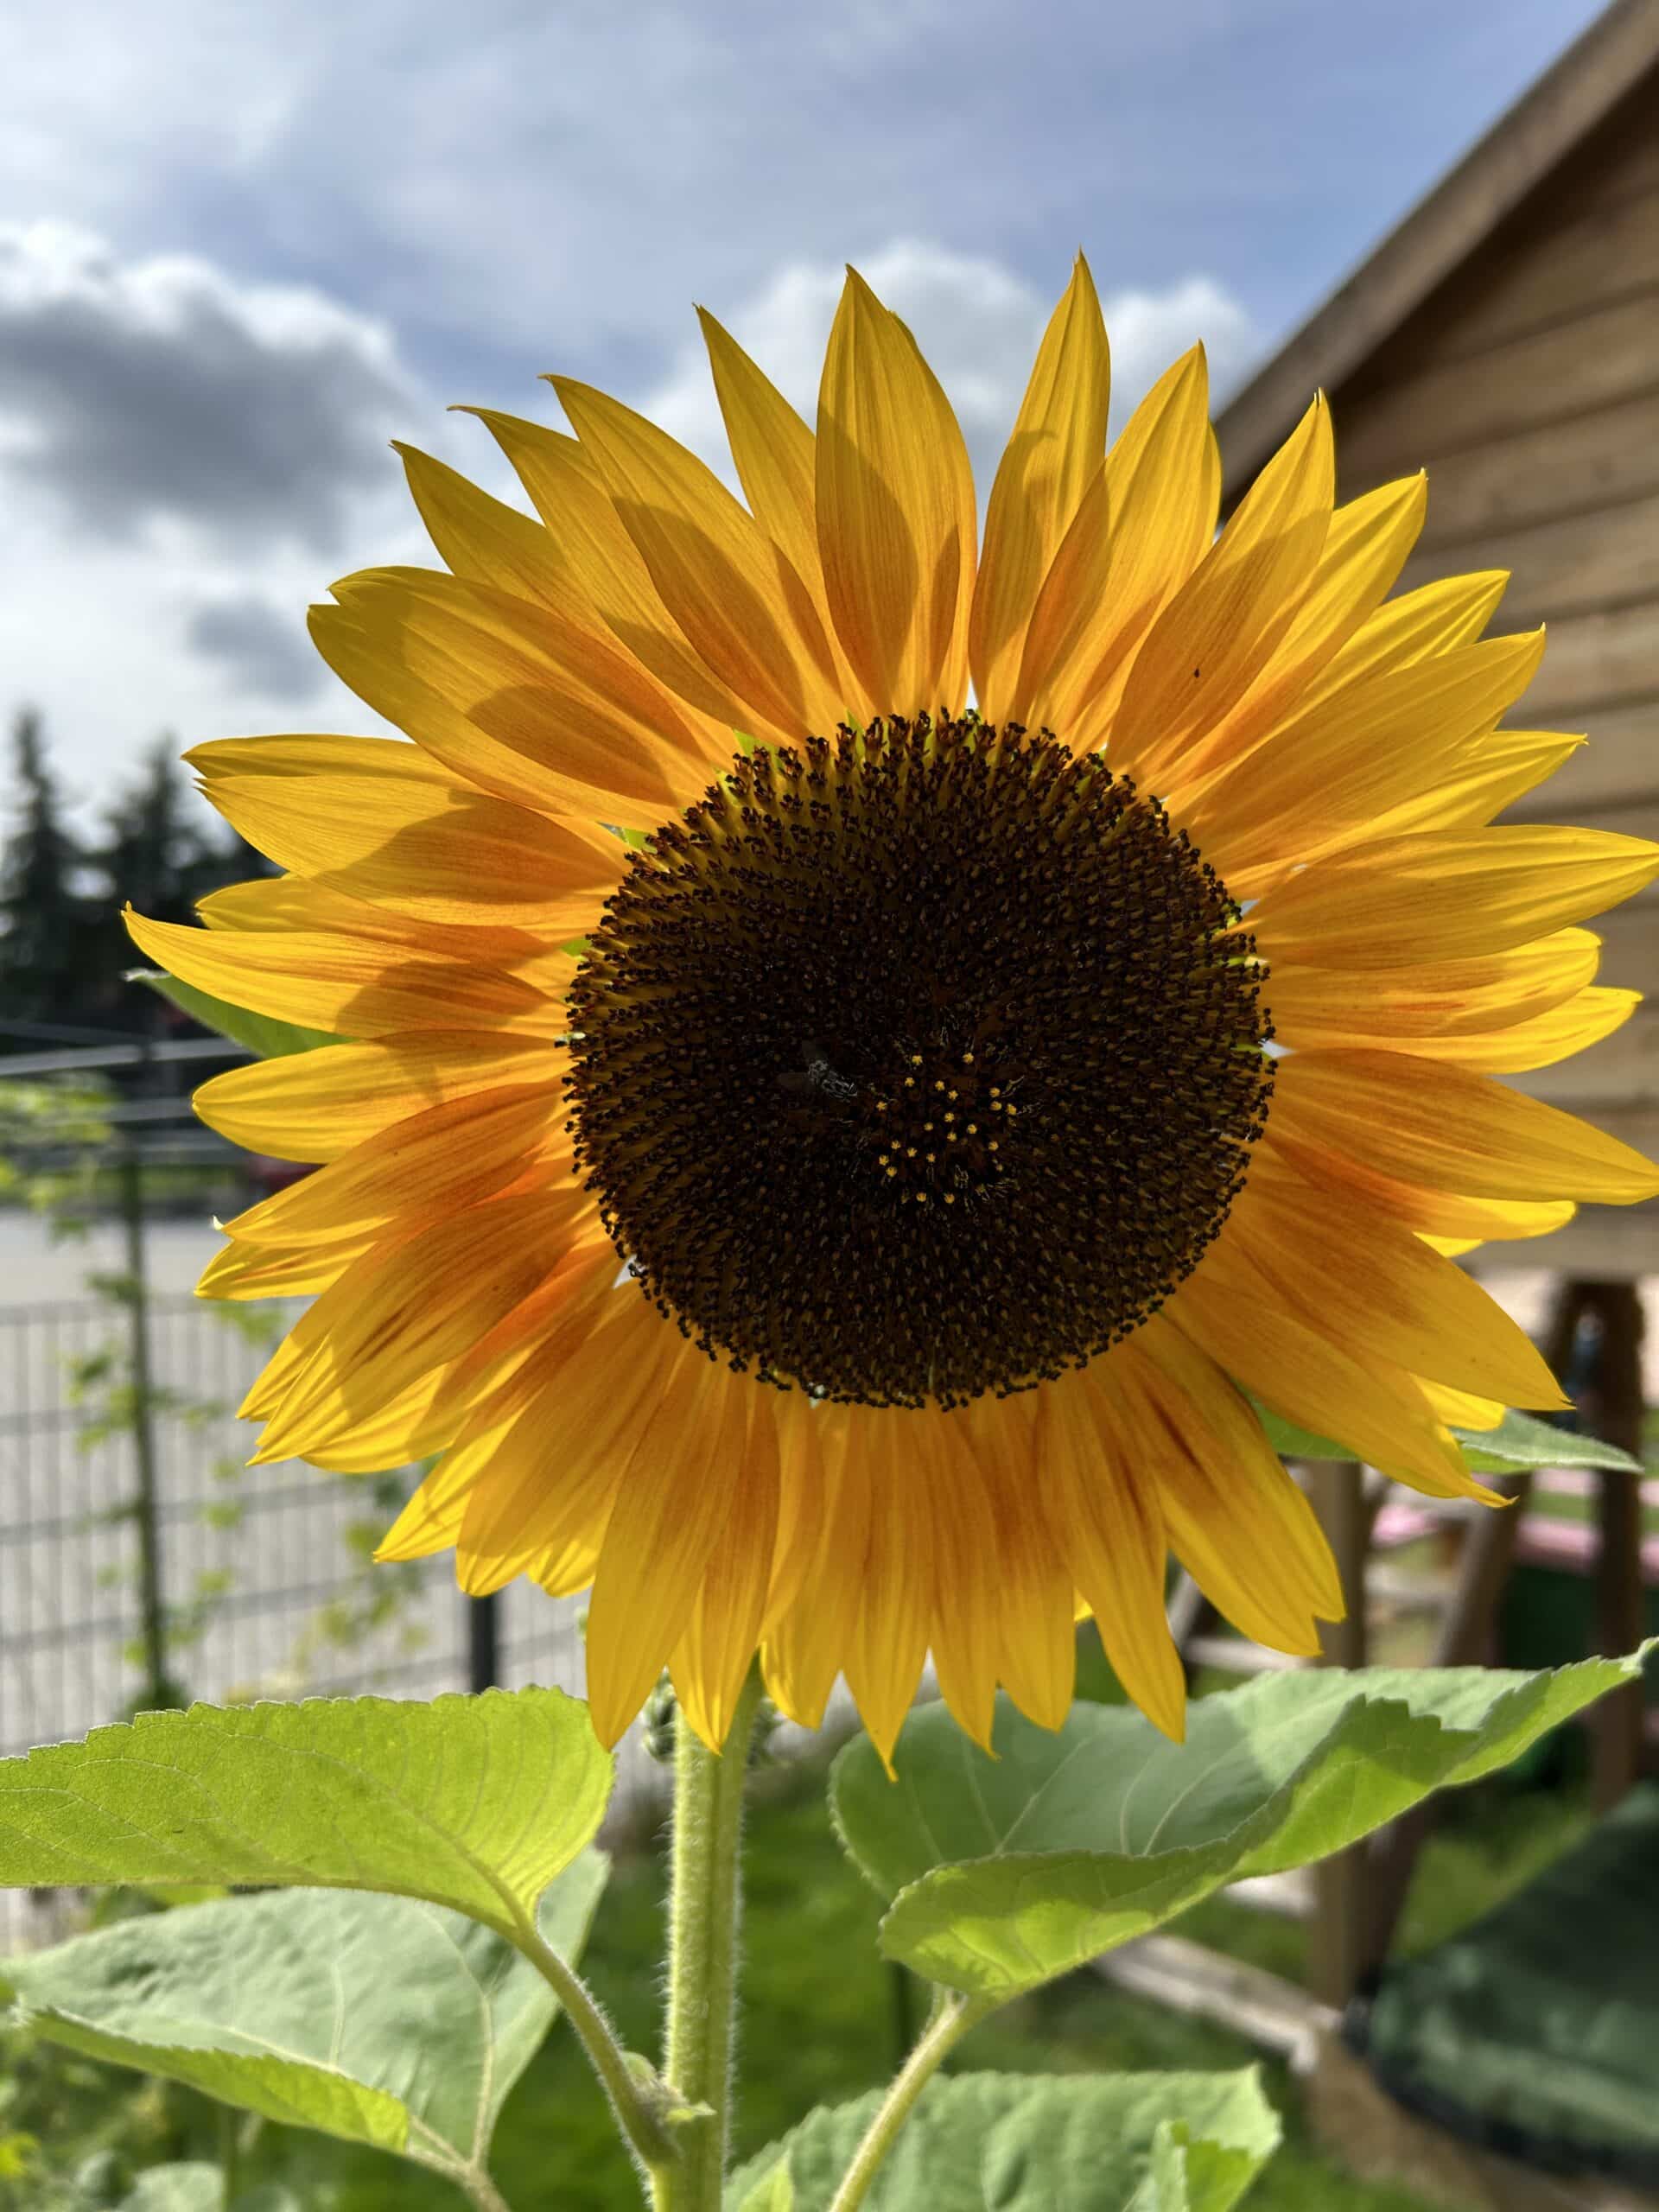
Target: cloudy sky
241, 247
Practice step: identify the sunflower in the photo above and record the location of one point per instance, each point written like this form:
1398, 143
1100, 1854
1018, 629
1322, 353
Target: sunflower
870, 1059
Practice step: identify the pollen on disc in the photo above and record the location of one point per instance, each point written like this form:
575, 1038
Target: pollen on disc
796, 978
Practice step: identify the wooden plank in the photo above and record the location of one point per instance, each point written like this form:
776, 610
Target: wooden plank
1530, 475
1611, 1243
1550, 272
1559, 565
1629, 944
1188, 1978
1620, 762
1590, 658
1626, 163
1548, 376
1236, 1655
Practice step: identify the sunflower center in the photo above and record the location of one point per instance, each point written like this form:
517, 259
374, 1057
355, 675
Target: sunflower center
917, 1063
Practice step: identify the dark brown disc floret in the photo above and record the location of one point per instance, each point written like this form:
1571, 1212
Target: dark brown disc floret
919, 1062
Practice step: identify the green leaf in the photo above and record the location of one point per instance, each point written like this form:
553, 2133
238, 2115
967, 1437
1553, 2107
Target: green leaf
1007, 1871
1520, 1441
476, 1803
379, 2019
261, 1033
1022, 2143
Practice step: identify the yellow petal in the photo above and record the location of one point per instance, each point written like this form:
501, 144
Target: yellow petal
1417, 1008
712, 1658
1449, 1131
1220, 630
777, 466
1141, 527
1572, 1026
289, 902
1336, 766
409, 1311
257, 1271
347, 985
889, 1640
897, 524
1445, 896
1103, 1504
508, 696
1356, 1278
348, 812
446, 1156
547, 1458
1229, 1310
317, 1106
431, 1520
1429, 1212
603, 567
806, 1645
1463, 1408
1034, 1579
672, 1507
730, 589
1236, 1521
1364, 549
966, 1629
1435, 619
1056, 451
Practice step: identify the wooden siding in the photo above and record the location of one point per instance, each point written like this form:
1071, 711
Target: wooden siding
1528, 385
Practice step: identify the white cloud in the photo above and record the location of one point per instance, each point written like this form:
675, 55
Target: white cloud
979, 325
178, 447
261, 644
160, 391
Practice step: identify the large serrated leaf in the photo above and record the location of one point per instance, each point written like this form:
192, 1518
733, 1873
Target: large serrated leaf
474, 1803
1006, 1872
380, 2020
262, 1033
1022, 2143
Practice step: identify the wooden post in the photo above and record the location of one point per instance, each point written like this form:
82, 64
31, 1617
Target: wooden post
1465, 1640
1616, 1410
1337, 1931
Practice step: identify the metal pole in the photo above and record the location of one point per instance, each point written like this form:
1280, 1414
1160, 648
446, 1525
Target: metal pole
146, 1502
483, 1643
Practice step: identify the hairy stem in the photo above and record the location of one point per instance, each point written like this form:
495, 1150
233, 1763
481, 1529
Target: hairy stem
950, 2020
646, 2136
704, 1910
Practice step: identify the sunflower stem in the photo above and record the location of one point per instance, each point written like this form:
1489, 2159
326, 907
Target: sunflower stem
621, 2076
951, 2018
704, 1909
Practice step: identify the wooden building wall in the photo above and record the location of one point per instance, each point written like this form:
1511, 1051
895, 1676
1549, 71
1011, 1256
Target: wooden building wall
1528, 384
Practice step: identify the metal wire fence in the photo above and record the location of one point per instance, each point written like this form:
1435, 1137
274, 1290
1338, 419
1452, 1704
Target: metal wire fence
229, 1582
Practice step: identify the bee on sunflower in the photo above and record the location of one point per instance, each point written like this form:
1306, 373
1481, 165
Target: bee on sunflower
871, 1056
